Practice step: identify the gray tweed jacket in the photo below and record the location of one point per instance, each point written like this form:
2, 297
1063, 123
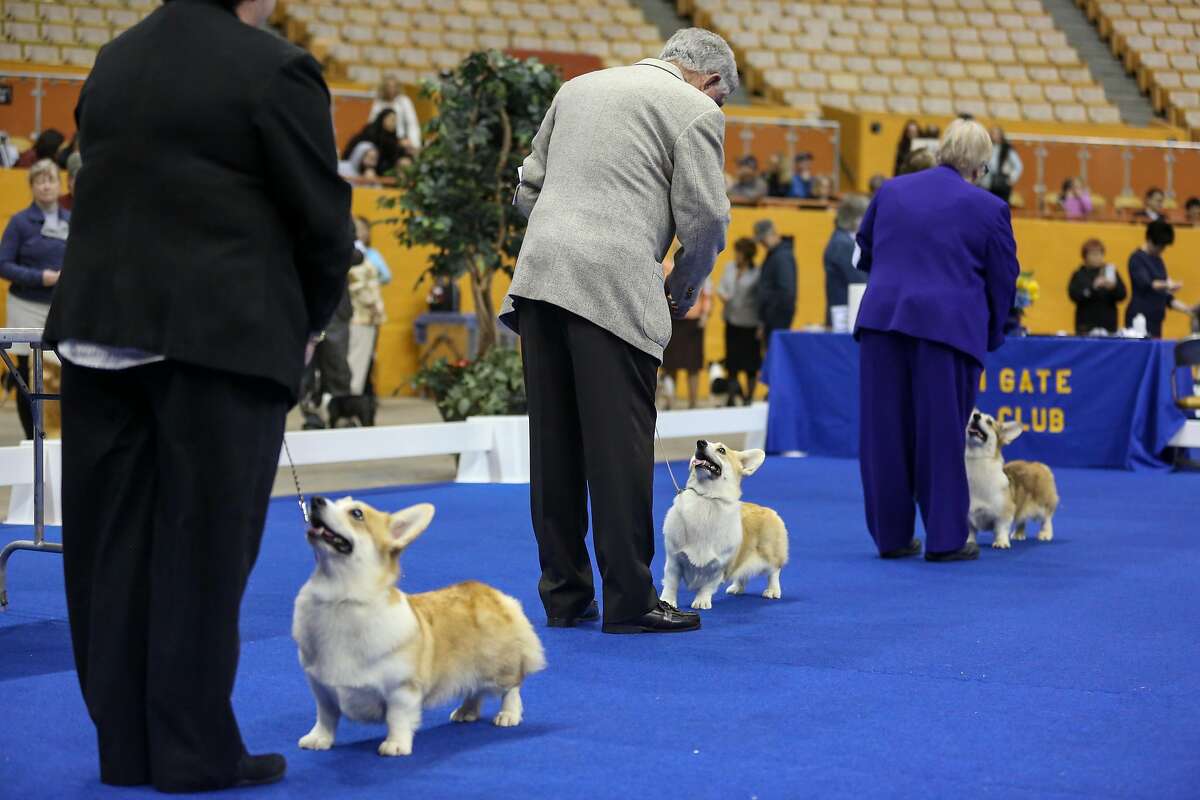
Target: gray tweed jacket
626, 160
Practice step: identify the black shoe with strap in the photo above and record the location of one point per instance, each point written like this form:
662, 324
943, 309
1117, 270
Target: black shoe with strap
663, 618
590, 614
968, 552
913, 548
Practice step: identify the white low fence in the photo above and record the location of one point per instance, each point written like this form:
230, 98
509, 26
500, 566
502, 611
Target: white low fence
490, 449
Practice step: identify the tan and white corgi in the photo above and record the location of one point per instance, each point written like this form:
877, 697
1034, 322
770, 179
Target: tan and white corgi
712, 536
1004, 495
375, 654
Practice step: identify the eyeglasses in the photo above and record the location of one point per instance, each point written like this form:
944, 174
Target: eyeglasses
984, 170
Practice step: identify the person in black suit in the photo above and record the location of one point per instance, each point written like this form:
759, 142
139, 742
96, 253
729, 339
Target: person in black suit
210, 243
777, 280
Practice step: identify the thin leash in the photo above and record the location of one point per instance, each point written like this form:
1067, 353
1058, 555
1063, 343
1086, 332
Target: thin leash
296, 480
663, 450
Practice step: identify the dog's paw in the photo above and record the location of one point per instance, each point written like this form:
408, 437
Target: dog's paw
1001, 544
393, 747
507, 719
772, 594
702, 603
734, 588
1019, 536
316, 740
463, 714
669, 599
1045, 536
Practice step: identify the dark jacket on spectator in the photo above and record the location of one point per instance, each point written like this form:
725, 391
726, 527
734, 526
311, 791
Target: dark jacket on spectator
777, 287
25, 254
1144, 269
840, 271
242, 292
1094, 308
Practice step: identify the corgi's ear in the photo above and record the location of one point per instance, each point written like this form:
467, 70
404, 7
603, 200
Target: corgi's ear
1009, 431
751, 460
408, 524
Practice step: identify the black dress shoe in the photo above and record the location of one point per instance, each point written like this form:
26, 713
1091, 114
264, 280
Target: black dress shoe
913, 548
663, 618
968, 552
260, 770
590, 614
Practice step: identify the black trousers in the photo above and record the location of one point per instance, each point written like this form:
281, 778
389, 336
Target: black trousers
591, 431
167, 471
24, 408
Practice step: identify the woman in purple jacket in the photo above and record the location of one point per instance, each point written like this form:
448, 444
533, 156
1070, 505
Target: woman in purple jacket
31, 255
942, 266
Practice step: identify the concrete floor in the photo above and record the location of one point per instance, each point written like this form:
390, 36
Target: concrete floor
365, 474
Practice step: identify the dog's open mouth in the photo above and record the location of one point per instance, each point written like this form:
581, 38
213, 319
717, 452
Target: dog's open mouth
974, 431
701, 461
335, 540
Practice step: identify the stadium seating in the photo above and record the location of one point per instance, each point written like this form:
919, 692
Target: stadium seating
998, 58
363, 39
1159, 42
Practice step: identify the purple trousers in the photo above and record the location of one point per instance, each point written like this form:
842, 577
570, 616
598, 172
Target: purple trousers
916, 397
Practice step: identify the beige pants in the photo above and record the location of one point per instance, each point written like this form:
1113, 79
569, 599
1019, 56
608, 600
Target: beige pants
362, 348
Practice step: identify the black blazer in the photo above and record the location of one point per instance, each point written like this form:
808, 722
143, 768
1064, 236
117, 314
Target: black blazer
210, 224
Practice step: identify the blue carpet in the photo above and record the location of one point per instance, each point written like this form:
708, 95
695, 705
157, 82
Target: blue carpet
1066, 669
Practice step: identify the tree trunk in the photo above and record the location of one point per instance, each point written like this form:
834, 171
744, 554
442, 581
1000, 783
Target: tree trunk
485, 311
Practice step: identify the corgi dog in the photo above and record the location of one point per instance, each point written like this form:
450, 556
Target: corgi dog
1004, 495
712, 536
375, 654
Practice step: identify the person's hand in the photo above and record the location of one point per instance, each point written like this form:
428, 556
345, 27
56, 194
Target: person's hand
1173, 285
672, 306
311, 347
50, 277
1101, 282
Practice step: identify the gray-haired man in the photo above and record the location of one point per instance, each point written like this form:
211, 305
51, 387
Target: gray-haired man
626, 160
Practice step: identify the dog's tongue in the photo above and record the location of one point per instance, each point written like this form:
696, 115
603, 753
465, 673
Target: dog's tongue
697, 462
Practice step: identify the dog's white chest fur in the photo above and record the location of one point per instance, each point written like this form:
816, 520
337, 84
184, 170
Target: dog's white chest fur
705, 532
349, 648
990, 493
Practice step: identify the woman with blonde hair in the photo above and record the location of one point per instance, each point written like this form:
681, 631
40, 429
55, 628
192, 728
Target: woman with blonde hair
942, 266
31, 257
391, 97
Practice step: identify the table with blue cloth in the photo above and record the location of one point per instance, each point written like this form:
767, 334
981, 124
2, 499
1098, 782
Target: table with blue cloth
1082, 402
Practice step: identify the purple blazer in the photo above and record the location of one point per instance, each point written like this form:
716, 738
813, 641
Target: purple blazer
941, 260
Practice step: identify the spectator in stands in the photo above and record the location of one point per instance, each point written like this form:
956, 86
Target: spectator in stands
779, 176
1152, 208
45, 146
1005, 168
210, 244
1192, 209
1075, 200
802, 177
362, 167
9, 155
743, 348
838, 258
368, 315
939, 294
918, 160
1095, 288
912, 131
443, 295
685, 351
381, 132
31, 257
777, 280
362, 232
408, 127
750, 187
66, 151
874, 184
822, 188
74, 163
1153, 291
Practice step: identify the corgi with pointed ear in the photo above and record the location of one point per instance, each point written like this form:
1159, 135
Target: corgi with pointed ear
375, 654
712, 536
1005, 495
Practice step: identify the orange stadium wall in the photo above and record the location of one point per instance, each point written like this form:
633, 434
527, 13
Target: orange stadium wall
1050, 248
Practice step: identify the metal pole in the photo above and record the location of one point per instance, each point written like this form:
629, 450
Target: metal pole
39, 464
37, 103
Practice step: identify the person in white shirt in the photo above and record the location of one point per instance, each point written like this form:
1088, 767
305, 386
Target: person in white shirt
408, 127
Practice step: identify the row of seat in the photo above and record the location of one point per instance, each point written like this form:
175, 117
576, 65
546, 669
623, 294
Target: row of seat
923, 11
1153, 44
767, 61
940, 87
400, 36
810, 102
55, 33
480, 9
66, 13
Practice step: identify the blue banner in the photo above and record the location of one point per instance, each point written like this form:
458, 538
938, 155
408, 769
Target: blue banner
1080, 402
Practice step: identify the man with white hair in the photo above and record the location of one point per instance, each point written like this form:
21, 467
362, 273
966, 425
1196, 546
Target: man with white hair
626, 160
943, 269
